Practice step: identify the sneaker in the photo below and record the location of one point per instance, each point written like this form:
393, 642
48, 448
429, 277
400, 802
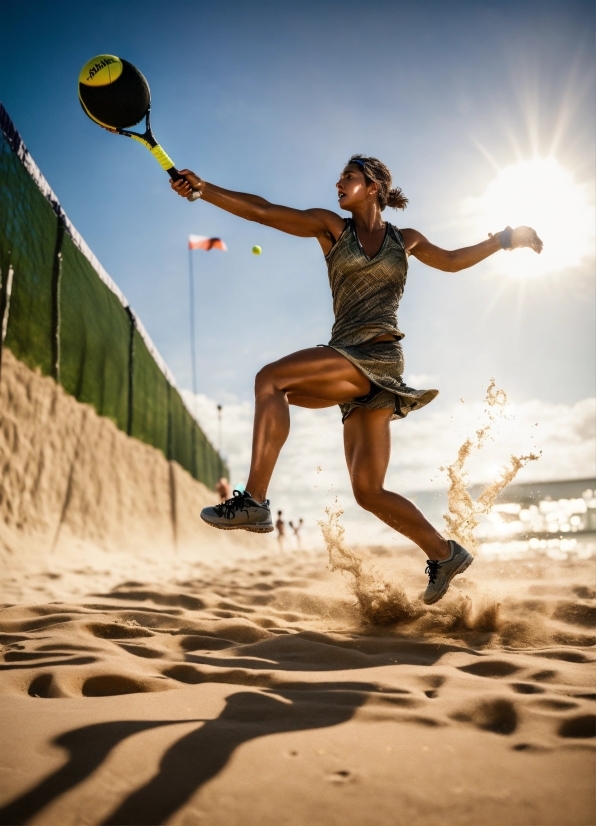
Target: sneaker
440, 574
241, 512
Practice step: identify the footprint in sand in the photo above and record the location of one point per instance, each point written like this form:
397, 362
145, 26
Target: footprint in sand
115, 631
583, 726
498, 716
185, 674
110, 685
543, 676
552, 704
341, 777
527, 688
141, 651
435, 681
490, 668
41, 686
562, 654
576, 614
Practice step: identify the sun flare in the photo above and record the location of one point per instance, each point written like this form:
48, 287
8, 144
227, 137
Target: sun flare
541, 194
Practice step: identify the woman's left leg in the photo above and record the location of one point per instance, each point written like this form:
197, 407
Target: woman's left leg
367, 442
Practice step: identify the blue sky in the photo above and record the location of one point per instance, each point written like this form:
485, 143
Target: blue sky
272, 98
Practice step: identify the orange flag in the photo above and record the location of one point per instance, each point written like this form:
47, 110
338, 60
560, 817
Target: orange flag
201, 242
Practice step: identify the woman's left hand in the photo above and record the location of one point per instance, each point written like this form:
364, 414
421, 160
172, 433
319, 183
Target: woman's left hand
525, 237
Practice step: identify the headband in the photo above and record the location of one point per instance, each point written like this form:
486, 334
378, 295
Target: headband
359, 162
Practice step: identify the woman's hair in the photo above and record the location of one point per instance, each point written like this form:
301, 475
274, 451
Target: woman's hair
376, 172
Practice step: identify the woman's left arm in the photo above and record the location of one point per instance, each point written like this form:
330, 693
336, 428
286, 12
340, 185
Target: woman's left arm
455, 260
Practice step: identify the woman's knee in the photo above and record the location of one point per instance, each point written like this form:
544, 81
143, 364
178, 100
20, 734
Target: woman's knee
267, 379
367, 495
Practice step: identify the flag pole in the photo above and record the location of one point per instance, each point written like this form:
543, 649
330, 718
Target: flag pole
193, 354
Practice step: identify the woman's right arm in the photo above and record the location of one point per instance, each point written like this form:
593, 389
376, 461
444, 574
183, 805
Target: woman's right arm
322, 224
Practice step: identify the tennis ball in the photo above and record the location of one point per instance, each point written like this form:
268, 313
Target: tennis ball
256, 250
113, 92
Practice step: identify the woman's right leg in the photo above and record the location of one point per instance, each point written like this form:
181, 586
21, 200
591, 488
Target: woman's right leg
315, 378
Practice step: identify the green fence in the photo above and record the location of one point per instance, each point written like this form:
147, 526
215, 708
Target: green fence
62, 314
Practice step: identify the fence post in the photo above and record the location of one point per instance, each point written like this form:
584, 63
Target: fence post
170, 422
131, 369
6, 276
56, 278
195, 472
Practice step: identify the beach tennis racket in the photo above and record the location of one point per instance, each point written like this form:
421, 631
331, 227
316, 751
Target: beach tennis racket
116, 96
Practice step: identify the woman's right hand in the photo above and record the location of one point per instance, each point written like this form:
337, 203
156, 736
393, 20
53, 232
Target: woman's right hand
187, 183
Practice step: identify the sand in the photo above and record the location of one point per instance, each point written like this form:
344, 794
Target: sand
205, 678
72, 483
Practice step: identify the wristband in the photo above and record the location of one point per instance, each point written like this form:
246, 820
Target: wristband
505, 238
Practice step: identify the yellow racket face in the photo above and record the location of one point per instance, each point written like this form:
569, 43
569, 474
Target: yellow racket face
101, 70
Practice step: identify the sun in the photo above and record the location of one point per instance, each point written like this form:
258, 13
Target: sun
541, 194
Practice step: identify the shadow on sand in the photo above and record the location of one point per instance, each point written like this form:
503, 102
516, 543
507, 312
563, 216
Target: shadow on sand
196, 757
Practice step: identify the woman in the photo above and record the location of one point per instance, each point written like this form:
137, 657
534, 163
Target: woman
361, 369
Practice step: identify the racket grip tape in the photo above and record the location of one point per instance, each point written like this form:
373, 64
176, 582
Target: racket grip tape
164, 160
167, 163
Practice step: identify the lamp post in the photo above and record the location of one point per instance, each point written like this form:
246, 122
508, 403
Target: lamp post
193, 351
197, 242
219, 409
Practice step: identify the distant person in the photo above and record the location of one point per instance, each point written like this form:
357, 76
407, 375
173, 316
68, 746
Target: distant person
281, 530
296, 528
224, 489
361, 369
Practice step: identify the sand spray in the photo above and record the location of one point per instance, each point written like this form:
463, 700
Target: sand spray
384, 602
381, 601
463, 513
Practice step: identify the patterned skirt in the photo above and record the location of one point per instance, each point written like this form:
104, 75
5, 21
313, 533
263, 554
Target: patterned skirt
383, 363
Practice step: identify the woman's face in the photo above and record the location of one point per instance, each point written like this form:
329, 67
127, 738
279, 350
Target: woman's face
352, 188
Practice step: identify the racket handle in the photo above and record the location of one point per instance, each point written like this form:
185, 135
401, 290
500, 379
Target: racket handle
176, 176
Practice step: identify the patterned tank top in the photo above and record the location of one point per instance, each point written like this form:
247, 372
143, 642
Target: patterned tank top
366, 291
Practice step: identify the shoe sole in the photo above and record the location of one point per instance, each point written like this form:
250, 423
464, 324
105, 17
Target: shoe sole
463, 567
251, 528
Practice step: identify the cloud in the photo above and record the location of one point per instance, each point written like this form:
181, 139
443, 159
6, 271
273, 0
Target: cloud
420, 380
311, 471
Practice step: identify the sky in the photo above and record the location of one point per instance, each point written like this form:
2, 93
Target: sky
484, 113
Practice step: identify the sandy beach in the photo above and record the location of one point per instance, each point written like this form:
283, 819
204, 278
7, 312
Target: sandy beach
255, 694
157, 671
